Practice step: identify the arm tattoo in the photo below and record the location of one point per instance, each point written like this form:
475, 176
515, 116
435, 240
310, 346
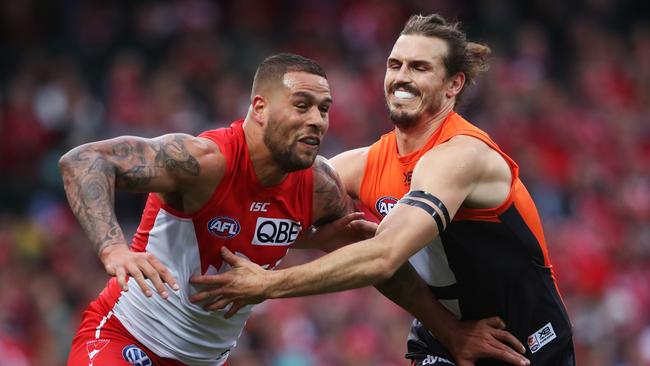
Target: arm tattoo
171, 154
330, 197
92, 172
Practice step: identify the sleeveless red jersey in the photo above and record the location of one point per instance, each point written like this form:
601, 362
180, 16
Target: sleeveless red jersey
253, 221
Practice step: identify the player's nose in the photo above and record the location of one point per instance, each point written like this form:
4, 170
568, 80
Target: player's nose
318, 119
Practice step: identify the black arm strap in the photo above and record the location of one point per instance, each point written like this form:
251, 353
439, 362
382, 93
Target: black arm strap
430, 210
434, 201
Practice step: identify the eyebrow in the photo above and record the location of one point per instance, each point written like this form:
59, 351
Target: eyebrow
310, 97
412, 62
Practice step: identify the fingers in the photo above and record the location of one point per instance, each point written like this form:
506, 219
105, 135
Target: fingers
205, 294
229, 257
233, 309
508, 339
366, 228
122, 277
507, 354
220, 303
345, 220
143, 266
495, 322
464, 363
212, 280
137, 275
164, 273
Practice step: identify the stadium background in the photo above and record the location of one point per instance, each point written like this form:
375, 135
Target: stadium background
567, 97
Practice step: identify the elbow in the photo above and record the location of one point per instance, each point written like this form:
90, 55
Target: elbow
65, 162
384, 268
70, 159
74, 160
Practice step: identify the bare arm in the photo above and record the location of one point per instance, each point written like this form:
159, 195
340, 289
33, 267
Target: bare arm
169, 164
457, 169
351, 166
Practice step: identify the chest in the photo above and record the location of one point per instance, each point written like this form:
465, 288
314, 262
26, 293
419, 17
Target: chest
384, 185
260, 228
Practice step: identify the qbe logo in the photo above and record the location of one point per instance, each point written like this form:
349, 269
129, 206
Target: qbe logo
224, 227
135, 356
275, 231
385, 204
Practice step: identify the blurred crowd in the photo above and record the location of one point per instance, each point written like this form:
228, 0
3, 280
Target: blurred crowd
567, 96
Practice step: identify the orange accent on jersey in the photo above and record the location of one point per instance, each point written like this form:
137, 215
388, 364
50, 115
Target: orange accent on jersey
387, 174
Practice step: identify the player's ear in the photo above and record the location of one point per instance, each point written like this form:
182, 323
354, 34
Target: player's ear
259, 109
456, 84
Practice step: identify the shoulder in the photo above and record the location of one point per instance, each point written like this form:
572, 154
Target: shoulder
324, 173
350, 166
462, 157
330, 199
353, 155
189, 152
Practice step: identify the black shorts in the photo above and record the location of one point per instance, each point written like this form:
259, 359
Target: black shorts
424, 350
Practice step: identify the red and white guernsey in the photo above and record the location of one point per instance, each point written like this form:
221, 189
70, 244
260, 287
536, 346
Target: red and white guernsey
259, 223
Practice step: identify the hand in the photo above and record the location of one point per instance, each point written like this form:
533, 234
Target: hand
486, 338
348, 229
121, 262
245, 283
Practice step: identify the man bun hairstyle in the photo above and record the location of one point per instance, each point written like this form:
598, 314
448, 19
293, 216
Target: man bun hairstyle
273, 68
467, 57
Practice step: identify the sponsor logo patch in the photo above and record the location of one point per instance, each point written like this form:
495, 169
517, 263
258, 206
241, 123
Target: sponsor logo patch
134, 355
259, 206
385, 204
436, 360
540, 338
224, 227
94, 347
275, 232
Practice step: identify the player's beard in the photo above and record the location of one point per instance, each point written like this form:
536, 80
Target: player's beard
284, 152
407, 119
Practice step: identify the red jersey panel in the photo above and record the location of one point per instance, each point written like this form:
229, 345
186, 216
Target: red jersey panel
253, 221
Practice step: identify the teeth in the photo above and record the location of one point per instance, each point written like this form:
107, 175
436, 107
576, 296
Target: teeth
403, 94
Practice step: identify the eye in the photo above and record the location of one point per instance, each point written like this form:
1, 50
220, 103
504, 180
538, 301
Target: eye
324, 109
302, 106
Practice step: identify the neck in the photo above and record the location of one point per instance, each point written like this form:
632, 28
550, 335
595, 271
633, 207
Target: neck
267, 171
415, 137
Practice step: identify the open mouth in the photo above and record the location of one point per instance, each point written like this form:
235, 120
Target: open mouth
404, 95
311, 141
404, 92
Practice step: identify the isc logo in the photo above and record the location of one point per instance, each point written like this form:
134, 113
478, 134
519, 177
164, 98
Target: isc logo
385, 204
275, 231
223, 227
259, 206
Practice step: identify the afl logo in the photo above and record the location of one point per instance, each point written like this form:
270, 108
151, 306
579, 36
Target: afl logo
135, 356
224, 227
385, 204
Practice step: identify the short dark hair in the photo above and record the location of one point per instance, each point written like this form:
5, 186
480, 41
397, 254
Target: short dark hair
273, 68
467, 57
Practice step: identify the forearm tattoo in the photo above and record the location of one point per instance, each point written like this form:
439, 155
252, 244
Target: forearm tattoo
329, 194
91, 172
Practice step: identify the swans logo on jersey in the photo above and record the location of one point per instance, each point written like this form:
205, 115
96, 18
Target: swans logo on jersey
276, 231
134, 355
224, 227
385, 204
